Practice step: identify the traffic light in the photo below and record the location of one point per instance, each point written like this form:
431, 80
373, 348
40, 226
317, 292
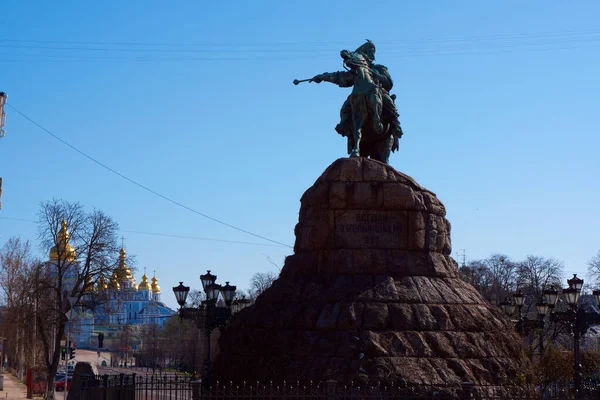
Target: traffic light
63, 354
100, 340
71, 353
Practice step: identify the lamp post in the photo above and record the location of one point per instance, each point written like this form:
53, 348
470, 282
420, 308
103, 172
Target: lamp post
578, 320
524, 325
209, 315
575, 318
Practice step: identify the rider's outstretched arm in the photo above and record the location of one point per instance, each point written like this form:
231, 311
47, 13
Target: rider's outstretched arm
340, 78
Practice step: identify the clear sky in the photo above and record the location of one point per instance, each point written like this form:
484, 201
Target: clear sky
498, 102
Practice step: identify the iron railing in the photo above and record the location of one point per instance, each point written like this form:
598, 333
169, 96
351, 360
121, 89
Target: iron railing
176, 387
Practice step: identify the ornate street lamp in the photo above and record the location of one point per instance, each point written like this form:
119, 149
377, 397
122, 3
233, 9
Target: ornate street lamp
239, 304
519, 299
578, 320
181, 293
575, 283
507, 307
596, 294
207, 279
551, 296
228, 291
542, 308
209, 315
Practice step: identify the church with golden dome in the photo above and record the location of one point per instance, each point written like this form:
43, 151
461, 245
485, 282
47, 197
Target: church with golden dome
123, 301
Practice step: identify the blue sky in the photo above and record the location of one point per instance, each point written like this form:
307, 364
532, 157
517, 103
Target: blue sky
498, 102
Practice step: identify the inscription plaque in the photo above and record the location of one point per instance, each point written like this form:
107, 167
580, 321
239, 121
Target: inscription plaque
363, 229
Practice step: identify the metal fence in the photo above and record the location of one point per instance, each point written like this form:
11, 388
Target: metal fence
175, 387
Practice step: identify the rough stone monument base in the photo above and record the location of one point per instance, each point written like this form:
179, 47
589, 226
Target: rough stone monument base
371, 294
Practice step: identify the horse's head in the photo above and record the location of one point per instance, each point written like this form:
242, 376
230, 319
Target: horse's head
354, 60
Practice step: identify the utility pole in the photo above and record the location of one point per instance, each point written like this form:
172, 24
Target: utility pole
3, 98
464, 258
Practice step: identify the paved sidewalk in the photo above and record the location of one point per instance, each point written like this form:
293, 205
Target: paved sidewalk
13, 388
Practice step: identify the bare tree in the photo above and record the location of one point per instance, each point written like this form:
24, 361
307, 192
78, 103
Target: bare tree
17, 267
195, 298
503, 275
83, 248
537, 273
260, 282
594, 268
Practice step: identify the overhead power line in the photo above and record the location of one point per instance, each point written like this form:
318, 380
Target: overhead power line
172, 235
146, 188
81, 51
569, 33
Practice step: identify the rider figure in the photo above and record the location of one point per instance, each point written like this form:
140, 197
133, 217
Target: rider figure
381, 76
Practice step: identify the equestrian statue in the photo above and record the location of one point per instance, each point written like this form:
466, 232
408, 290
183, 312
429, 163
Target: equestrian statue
369, 117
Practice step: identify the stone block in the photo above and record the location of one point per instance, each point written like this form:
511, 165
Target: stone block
384, 288
314, 292
350, 316
416, 230
447, 374
332, 173
417, 264
340, 289
444, 288
370, 261
429, 294
351, 170
402, 316
318, 231
397, 196
375, 344
444, 322
461, 369
407, 291
317, 195
325, 263
344, 261
364, 195
376, 171
439, 344
429, 373
397, 263
401, 347
462, 319
424, 320
408, 369
338, 192
376, 316
433, 205
329, 316
438, 265
418, 343
362, 287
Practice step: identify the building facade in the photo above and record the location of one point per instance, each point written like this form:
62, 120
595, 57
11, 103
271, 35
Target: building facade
118, 301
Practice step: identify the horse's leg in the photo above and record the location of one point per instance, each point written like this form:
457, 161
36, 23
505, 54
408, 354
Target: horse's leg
376, 106
382, 149
357, 122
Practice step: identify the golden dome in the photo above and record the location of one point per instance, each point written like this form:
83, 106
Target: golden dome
155, 287
144, 284
63, 248
122, 271
114, 284
101, 285
89, 286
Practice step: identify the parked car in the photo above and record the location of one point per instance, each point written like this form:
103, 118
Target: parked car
60, 383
